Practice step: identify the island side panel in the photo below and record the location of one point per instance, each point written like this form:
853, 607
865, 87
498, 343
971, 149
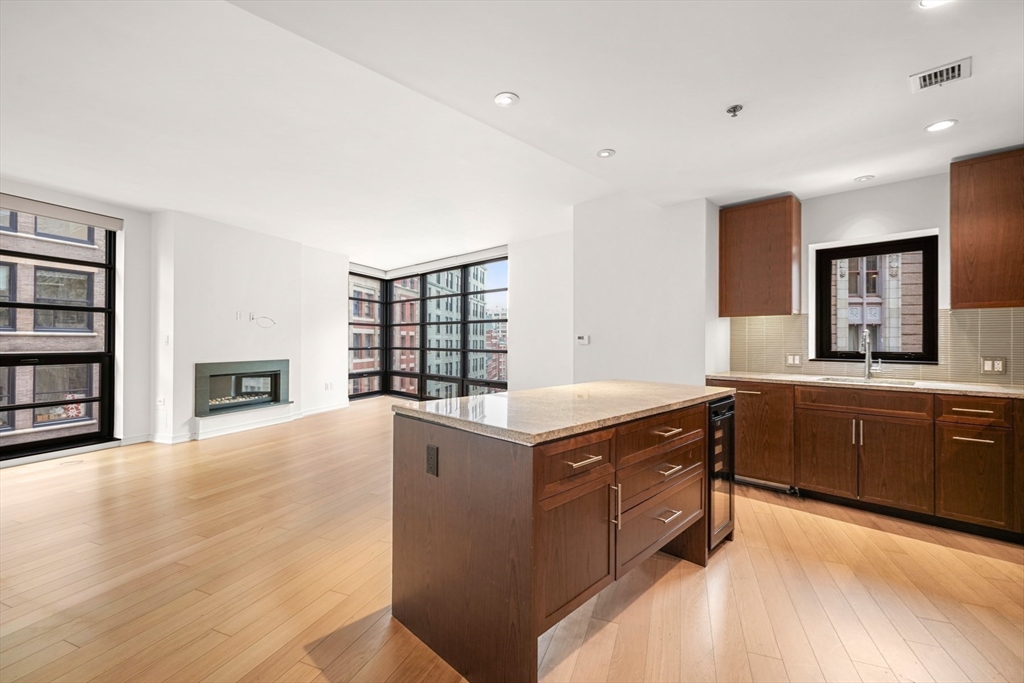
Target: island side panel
462, 565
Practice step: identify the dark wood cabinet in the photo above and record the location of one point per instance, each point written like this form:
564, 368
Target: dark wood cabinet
975, 474
826, 452
986, 231
648, 526
764, 431
575, 547
897, 463
759, 258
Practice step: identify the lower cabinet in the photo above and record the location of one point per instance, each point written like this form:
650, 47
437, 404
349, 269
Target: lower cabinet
764, 431
646, 527
826, 452
975, 474
897, 463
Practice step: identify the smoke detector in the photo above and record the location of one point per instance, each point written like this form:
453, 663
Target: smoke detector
957, 71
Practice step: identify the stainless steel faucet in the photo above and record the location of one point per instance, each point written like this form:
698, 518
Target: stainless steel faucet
865, 348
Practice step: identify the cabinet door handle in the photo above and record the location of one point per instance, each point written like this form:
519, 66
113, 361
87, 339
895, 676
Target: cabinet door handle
666, 520
669, 432
972, 410
965, 438
862, 432
853, 431
752, 393
592, 459
670, 471
618, 507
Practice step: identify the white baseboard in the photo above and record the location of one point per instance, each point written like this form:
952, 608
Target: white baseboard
170, 439
53, 455
132, 440
322, 409
234, 429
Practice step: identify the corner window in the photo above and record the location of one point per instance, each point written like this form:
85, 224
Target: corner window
884, 294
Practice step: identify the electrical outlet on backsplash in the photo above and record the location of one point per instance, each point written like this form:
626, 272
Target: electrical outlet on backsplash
762, 344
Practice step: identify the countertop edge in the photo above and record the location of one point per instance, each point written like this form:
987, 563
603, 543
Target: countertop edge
529, 439
924, 386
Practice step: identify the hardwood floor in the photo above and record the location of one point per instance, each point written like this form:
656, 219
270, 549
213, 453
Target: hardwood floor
265, 556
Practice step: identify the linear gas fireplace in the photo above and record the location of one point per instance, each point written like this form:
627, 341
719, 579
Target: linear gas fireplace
244, 385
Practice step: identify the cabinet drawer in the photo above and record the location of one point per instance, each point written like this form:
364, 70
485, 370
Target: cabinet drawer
635, 441
650, 525
649, 477
996, 412
867, 401
974, 474
564, 464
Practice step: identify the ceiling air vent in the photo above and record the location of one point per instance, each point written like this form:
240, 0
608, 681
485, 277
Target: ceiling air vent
957, 71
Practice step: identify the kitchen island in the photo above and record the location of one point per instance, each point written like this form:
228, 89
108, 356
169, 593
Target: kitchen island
511, 510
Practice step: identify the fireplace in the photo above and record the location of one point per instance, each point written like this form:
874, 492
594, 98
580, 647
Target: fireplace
243, 385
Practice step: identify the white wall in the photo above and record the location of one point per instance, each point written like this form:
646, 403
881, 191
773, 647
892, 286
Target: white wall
540, 301
324, 347
919, 204
716, 331
639, 290
132, 330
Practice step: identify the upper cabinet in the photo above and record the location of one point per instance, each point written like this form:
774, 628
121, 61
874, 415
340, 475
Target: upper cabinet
759, 258
986, 231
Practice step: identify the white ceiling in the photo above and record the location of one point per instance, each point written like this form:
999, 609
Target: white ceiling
387, 145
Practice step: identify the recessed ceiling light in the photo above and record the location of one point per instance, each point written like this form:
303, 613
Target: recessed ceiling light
863, 178
605, 153
506, 99
928, 4
940, 125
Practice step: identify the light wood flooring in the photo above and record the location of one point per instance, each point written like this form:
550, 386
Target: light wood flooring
265, 556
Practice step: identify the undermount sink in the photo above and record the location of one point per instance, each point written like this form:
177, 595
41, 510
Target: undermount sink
861, 380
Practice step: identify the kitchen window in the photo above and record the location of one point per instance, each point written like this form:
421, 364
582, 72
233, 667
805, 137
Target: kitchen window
889, 289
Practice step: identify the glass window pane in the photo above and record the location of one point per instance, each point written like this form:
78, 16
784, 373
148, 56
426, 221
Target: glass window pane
361, 287
406, 385
362, 360
479, 389
27, 426
487, 306
445, 309
448, 336
363, 336
891, 308
6, 397
447, 363
489, 366
488, 276
56, 238
445, 282
488, 336
406, 288
61, 382
405, 360
363, 385
32, 281
405, 312
7, 219
61, 334
438, 389
360, 311
405, 336
7, 293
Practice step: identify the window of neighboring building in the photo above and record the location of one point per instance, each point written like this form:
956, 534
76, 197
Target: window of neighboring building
64, 230
60, 287
7, 292
8, 220
889, 289
445, 333
57, 342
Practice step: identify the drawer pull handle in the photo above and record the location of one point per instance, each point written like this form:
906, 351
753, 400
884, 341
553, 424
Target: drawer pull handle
669, 432
972, 410
752, 393
666, 520
589, 461
966, 438
670, 471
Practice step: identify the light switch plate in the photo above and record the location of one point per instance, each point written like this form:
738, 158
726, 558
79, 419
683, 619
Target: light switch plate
993, 365
582, 339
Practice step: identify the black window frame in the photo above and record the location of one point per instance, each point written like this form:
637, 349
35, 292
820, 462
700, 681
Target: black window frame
426, 305
381, 350
104, 432
929, 246
47, 304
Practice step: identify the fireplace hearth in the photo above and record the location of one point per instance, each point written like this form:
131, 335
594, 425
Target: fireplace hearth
243, 385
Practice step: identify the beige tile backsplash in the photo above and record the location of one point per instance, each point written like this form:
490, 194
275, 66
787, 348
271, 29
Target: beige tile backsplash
760, 344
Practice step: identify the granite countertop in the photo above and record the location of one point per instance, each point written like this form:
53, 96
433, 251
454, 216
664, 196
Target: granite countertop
534, 416
879, 383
